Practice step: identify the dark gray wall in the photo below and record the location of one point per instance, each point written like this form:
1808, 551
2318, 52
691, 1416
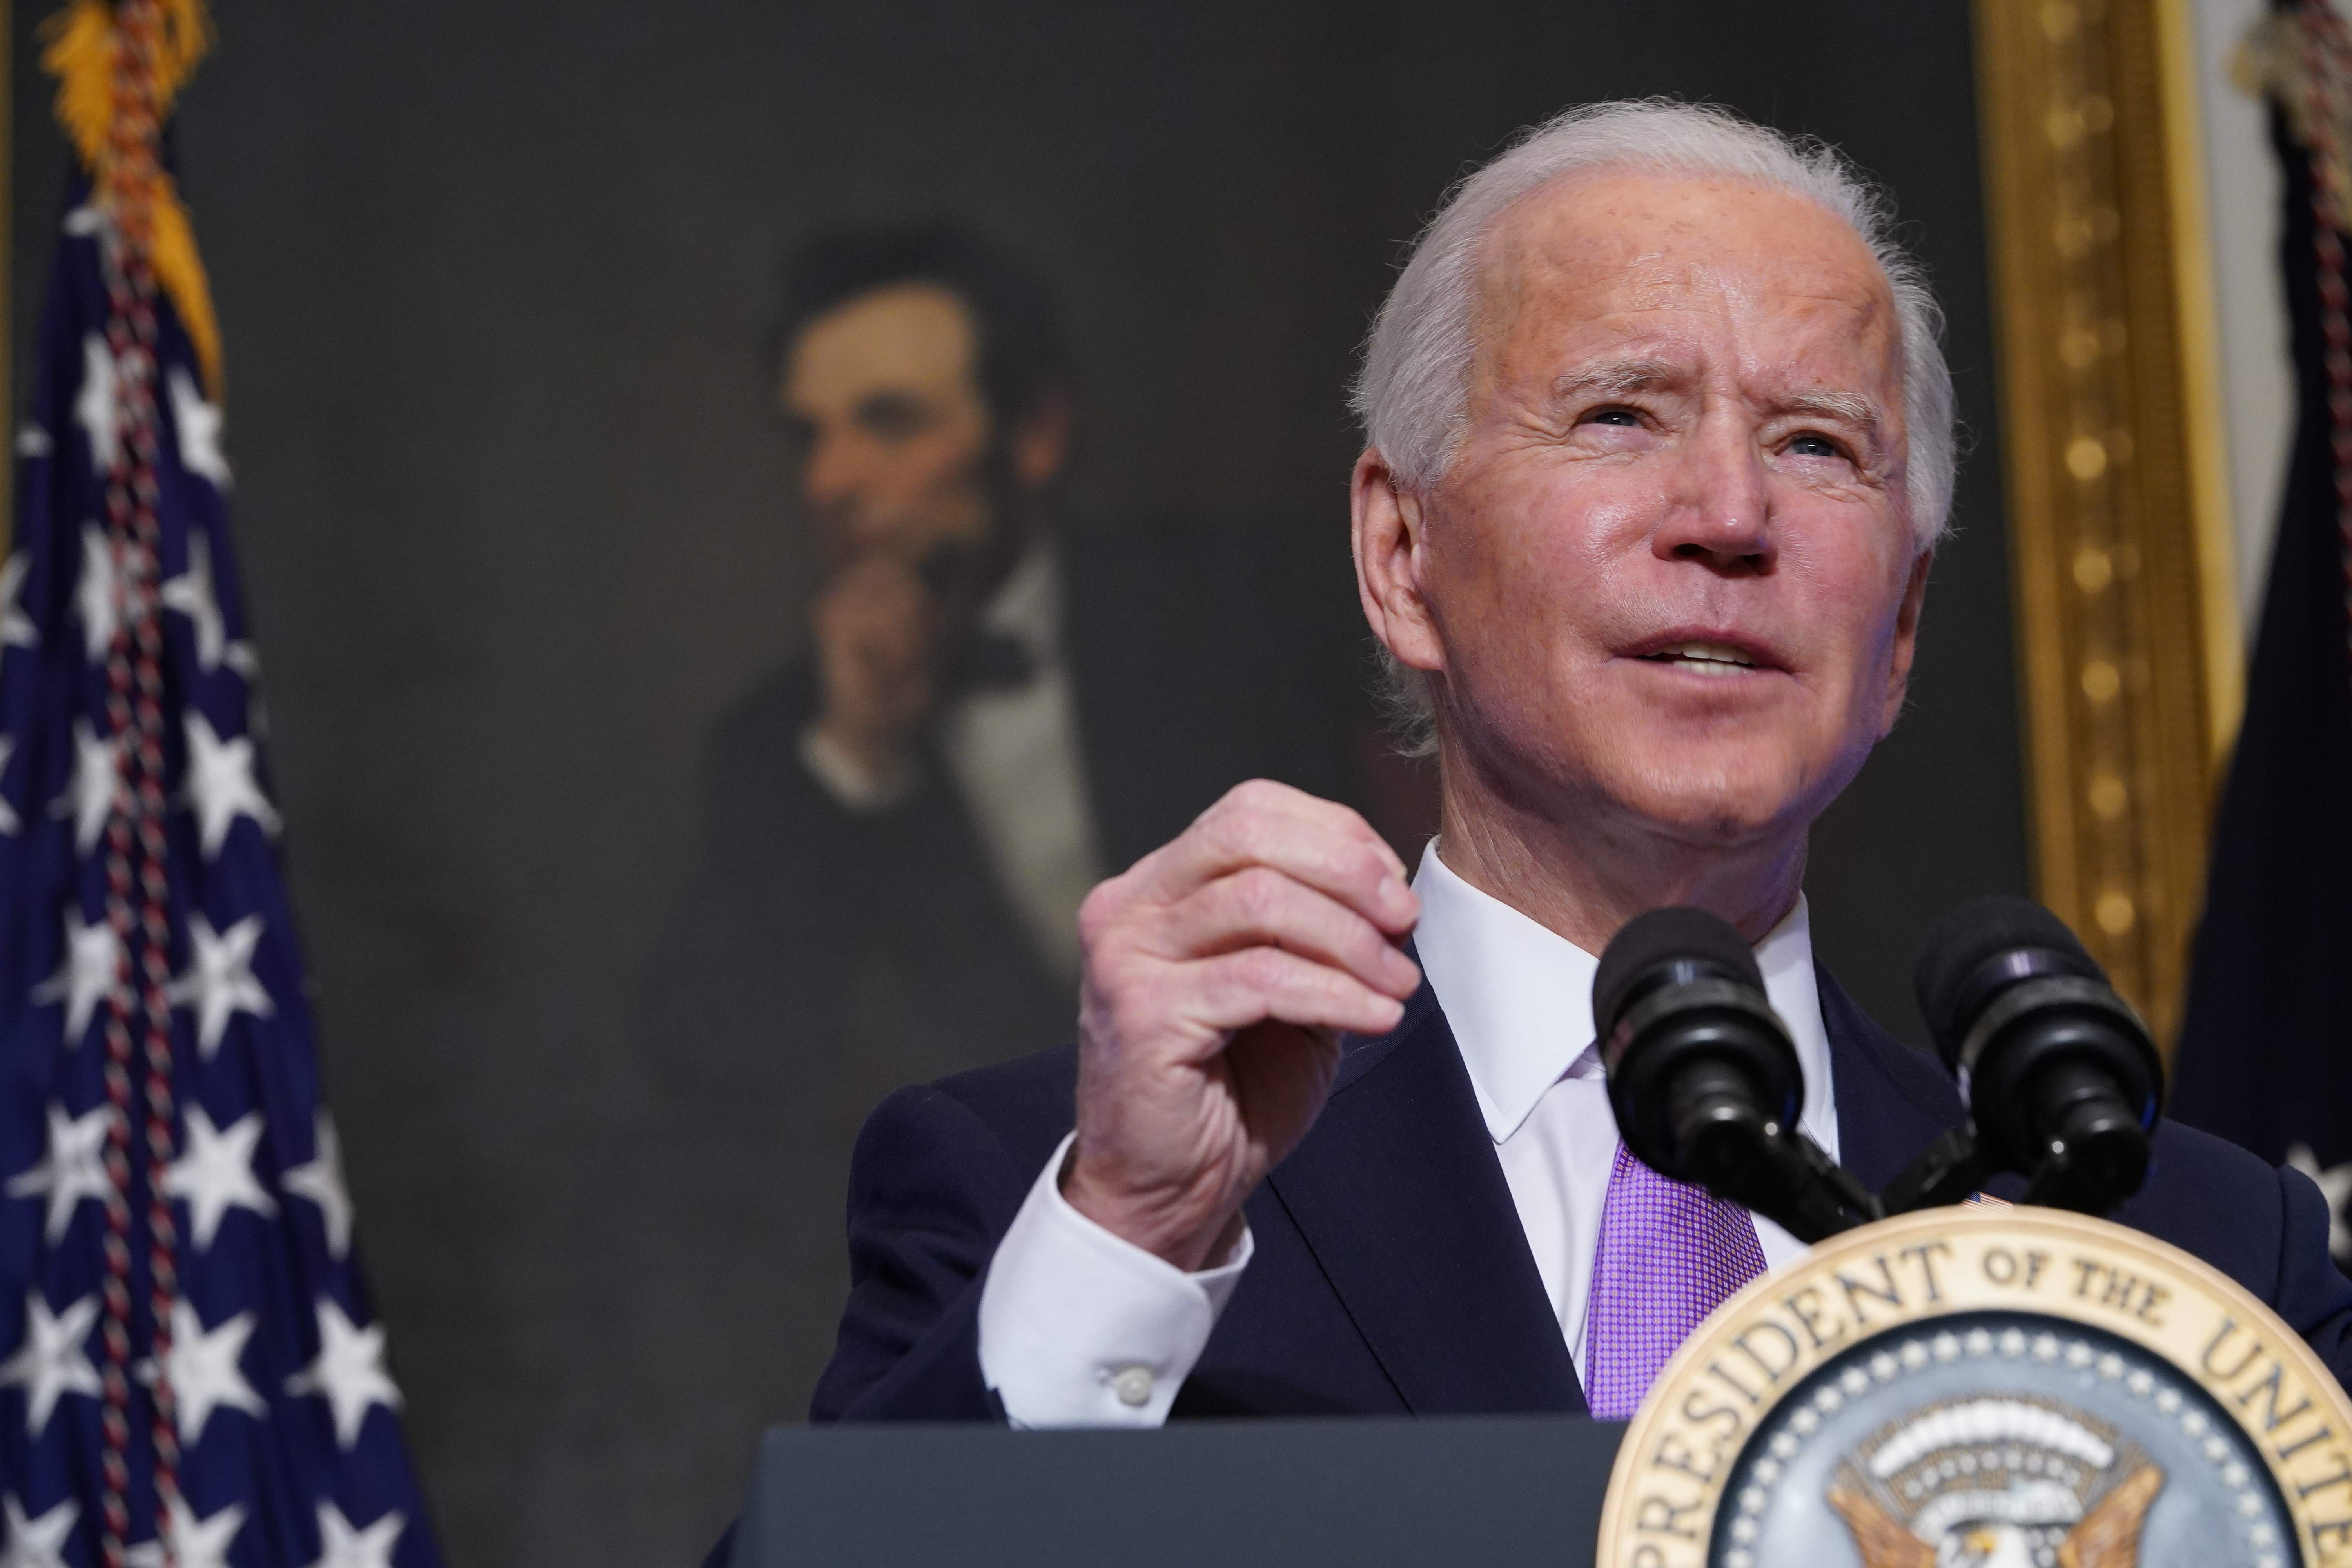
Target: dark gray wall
492, 277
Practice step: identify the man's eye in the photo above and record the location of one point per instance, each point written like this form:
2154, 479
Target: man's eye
1620, 417
1812, 446
892, 418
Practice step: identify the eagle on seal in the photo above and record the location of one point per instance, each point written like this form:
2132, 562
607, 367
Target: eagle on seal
2106, 1537
1996, 1482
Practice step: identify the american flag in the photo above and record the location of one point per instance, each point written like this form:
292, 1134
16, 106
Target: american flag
190, 1369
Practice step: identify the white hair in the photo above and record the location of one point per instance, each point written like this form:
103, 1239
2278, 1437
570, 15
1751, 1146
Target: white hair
1412, 394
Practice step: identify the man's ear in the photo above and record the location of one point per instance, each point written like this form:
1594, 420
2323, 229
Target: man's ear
1041, 443
1906, 641
1388, 536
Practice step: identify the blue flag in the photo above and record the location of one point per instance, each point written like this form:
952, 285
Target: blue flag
2268, 1035
190, 1369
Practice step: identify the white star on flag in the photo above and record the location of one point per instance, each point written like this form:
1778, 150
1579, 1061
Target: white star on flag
203, 1372
2335, 1185
198, 424
85, 975
190, 594
321, 1182
8, 819
215, 1173
17, 628
94, 592
219, 980
89, 795
50, 1363
196, 1542
221, 785
36, 1543
341, 1545
95, 409
348, 1372
32, 441
75, 1169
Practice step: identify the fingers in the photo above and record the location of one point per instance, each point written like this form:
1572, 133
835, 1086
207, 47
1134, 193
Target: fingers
1319, 843
1235, 990
1260, 907
874, 634
876, 601
1274, 909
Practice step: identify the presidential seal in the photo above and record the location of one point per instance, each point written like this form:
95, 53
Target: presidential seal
1987, 1388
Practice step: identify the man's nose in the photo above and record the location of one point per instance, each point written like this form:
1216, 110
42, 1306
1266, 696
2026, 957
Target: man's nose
1719, 506
832, 475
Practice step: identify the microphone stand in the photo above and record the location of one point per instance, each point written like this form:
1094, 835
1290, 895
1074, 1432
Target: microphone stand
1949, 1171
1795, 1183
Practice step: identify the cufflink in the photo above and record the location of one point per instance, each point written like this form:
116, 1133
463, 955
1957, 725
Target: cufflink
1133, 1386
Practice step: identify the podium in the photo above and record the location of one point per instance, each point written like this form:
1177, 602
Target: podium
1360, 1492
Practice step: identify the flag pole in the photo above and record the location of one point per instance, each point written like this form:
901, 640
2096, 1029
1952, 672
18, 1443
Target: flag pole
7, 280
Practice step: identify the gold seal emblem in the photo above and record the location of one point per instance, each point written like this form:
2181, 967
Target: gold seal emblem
1987, 1388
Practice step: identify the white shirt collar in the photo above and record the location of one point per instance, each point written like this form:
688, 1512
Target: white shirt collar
1027, 605
1518, 998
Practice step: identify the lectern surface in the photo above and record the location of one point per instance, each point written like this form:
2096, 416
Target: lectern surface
1519, 1491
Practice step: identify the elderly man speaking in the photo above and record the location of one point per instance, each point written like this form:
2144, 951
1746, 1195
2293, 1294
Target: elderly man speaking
1659, 448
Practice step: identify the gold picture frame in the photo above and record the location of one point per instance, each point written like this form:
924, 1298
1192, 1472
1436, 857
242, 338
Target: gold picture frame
2130, 666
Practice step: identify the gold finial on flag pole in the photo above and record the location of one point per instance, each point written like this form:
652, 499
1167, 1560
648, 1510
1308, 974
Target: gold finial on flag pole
120, 67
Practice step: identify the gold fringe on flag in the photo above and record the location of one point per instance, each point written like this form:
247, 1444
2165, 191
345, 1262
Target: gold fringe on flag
113, 111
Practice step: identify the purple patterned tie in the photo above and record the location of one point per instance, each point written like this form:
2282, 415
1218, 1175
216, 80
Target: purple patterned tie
1669, 1255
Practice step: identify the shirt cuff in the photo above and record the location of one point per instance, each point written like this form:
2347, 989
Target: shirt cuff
1079, 1327
850, 782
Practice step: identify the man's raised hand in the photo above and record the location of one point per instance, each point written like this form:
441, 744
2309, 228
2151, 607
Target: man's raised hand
877, 634
1220, 972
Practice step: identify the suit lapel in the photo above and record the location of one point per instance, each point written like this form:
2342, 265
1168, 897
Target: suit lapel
1400, 1197
1892, 1101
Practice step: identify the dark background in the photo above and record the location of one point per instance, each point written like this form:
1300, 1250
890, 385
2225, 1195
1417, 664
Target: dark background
493, 279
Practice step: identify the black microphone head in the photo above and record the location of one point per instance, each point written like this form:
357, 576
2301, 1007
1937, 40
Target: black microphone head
1952, 973
1660, 937
2062, 1079
1703, 1079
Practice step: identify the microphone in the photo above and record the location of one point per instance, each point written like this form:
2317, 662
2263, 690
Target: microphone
2061, 1081
1703, 1079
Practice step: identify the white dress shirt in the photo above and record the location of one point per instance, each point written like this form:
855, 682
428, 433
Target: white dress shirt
1080, 1328
1015, 757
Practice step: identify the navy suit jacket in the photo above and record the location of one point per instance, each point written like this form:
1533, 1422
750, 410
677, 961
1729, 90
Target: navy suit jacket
1392, 1274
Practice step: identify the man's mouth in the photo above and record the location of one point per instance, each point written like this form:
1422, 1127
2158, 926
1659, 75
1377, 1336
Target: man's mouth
1704, 657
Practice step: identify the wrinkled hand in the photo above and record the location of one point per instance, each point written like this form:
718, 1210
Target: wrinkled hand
876, 635
1219, 973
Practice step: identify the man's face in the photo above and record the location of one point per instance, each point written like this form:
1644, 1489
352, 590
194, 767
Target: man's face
1670, 572
895, 434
